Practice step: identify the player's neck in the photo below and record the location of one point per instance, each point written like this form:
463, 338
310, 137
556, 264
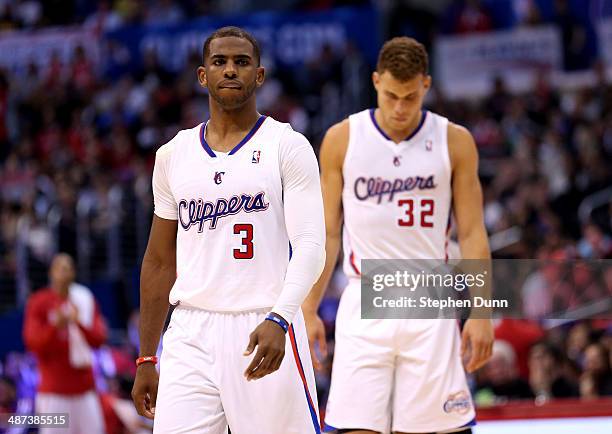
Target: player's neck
225, 123
398, 136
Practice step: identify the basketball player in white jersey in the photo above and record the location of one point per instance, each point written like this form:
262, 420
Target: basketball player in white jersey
230, 196
390, 176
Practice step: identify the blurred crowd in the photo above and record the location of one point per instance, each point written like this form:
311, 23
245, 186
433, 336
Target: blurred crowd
423, 19
530, 363
109, 14
77, 149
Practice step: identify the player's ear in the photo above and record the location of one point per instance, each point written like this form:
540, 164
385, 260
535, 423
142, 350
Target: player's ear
261, 76
375, 79
426, 84
202, 76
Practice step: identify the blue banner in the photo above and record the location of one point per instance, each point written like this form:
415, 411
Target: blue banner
287, 39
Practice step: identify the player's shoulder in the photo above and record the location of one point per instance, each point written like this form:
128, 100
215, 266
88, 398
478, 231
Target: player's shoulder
458, 134
339, 132
461, 144
272, 123
290, 138
180, 139
335, 142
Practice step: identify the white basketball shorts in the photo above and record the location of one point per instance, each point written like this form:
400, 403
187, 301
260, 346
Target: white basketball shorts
202, 388
84, 412
396, 374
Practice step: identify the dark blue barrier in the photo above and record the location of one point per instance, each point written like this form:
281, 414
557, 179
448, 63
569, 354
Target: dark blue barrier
287, 39
107, 295
11, 324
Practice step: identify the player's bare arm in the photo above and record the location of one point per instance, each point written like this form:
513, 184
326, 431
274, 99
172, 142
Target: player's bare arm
156, 279
303, 212
477, 335
331, 158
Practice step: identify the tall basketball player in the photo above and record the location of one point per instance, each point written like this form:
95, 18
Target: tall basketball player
230, 195
400, 375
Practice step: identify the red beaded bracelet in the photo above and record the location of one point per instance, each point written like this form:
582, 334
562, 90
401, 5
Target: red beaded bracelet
146, 359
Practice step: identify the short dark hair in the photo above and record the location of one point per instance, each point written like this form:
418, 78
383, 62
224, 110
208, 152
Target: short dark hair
231, 31
403, 57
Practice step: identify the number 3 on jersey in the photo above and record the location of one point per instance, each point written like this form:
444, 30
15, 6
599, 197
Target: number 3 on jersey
246, 249
426, 210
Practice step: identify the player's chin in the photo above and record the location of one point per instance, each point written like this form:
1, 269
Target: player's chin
399, 123
232, 98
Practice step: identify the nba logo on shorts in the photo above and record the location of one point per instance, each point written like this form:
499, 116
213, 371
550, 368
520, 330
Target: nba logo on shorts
428, 145
256, 155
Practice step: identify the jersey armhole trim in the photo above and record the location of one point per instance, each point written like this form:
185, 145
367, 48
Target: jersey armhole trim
446, 153
349, 146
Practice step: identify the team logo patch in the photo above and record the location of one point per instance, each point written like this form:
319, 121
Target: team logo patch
256, 155
397, 160
459, 402
428, 145
218, 179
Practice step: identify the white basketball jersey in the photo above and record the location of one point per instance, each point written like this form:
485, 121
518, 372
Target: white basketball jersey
232, 243
396, 197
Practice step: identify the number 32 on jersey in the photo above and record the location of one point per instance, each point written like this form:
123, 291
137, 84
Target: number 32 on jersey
416, 212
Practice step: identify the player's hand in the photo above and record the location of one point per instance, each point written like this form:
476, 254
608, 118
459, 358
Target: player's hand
476, 343
269, 338
144, 392
316, 334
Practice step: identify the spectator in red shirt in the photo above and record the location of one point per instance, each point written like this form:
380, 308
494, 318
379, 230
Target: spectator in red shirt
521, 335
62, 324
